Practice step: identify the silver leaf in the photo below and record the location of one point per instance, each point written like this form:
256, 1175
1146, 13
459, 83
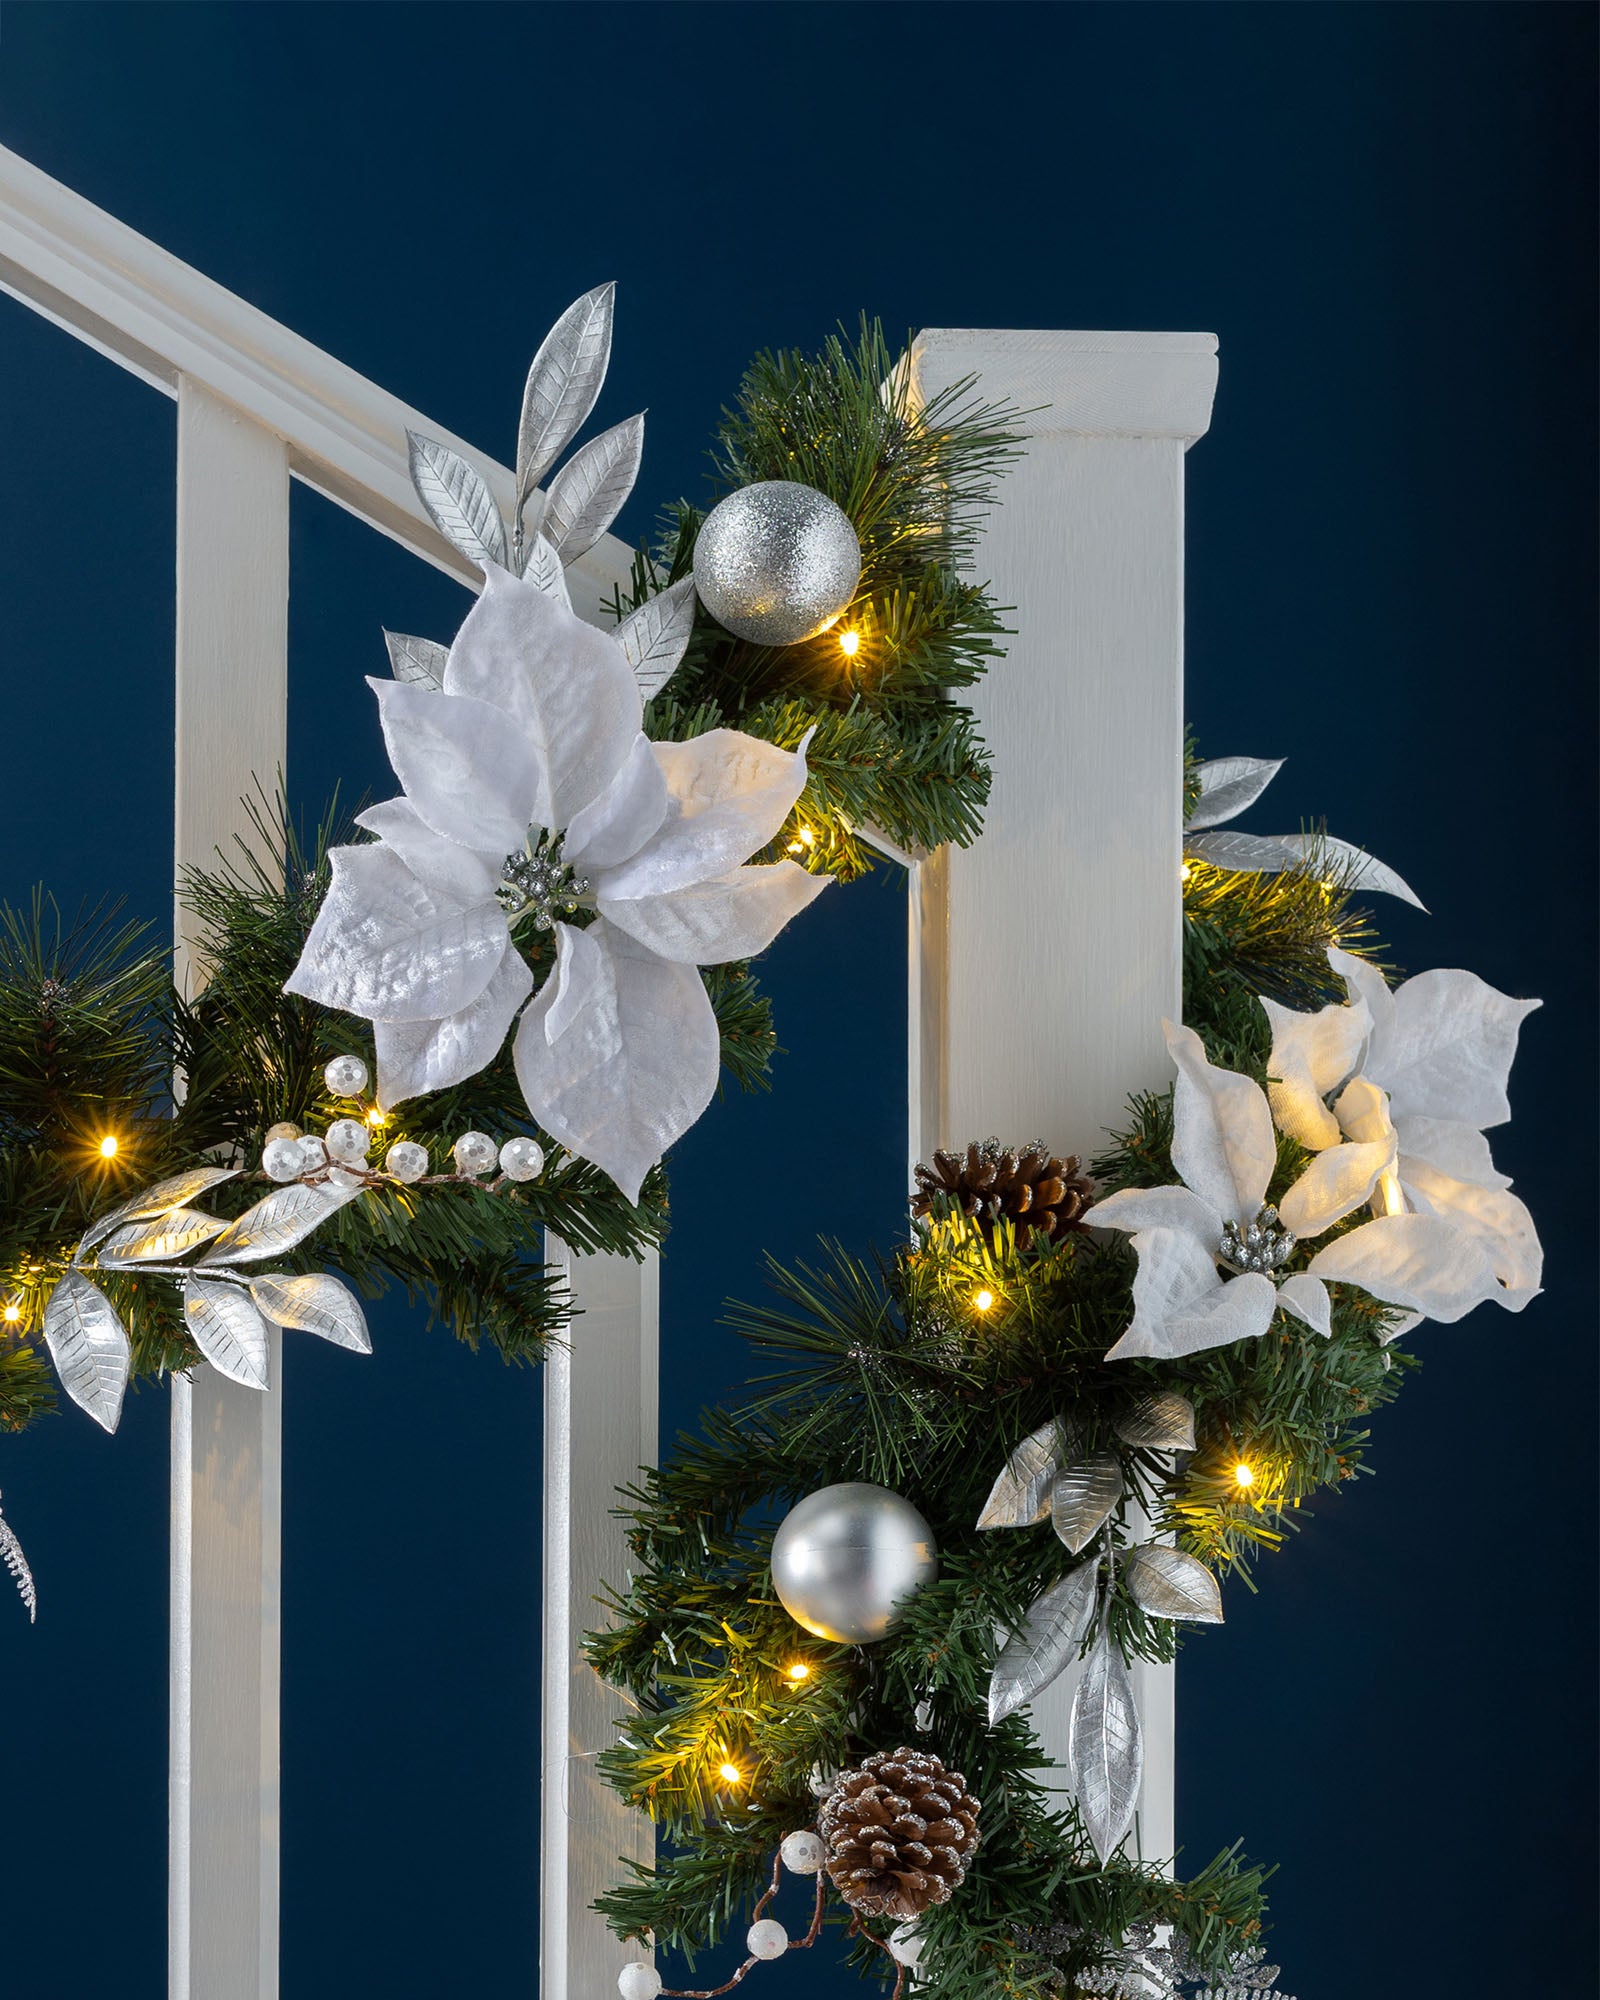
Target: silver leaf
278, 1222
587, 492
1020, 1496
1085, 1493
654, 637
17, 1563
542, 568
563, 384
1360, 870
161, 1199
1105, 1748
89, 1346
460, 504
161, 1240
1244, 853
316, 1303
1275, 853
1169, 1584
1161, 1421
1227, 786
228, 1331
419, 661
1045, 1643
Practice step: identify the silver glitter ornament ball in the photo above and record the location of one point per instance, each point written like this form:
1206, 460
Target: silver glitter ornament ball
846, 1561
345, 1076
776, 562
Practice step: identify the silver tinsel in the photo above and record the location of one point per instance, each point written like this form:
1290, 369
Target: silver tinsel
1263, 1245
1138, 1968
847, 1559
776, 562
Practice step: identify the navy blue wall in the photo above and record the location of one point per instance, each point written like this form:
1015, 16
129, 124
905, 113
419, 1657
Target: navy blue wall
1386, 212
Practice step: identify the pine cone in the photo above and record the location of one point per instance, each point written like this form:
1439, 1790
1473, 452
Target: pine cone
1031, 1188
900, 1832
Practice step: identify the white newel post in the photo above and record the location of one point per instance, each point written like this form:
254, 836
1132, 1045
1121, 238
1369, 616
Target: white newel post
1067, 912
232, 662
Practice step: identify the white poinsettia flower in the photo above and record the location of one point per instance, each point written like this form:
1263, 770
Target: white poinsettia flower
1402, 1084
1210, 1251
529, 793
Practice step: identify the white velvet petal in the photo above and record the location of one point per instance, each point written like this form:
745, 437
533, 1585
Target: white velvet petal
471, 776
388, 947
730, 794
1312, 1054
1223, 1144
711, 923
1177, 1208
623, 817
1182, 1306
446, 867
1499, 1221
1362, 1110
1363, 981
1307, 1298
1335, 1184
583, 994
1421, 1262
1458, 1150
567, 685
415, 1057
621, 1106
1446, 1052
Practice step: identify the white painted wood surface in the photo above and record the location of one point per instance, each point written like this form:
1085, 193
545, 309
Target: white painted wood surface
1072, 895
232, 668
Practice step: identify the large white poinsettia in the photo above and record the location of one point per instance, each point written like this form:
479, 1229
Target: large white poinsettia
1411, 1077
529, 793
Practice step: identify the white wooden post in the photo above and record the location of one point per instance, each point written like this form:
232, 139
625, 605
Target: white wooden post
1072, 896
233, 648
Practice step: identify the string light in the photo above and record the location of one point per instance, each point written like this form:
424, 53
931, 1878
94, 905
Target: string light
108, 1146
850, 644
1185, 872
730, 1774
13, 1312
1243, 1476
799, 1671
983, 1300
375, 1118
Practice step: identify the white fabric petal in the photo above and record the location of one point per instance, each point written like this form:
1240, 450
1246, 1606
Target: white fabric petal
1446, 1052
632, 1061
471, 777
1421, 1262
444, 865
710, 923
1312, 1054
1177, 1208
1223, 1144
1182, 1306
1335, 1184
1307, 1298
1458, 1150
1499, 1221
388, 947
623, 817
1362, 1110
415, 1057
730, 794
1363, 981
568, 687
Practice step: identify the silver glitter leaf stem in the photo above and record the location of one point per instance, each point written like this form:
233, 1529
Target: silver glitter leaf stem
317, 1303
1169, 1584
419, 661
655, 636
1084, 1494
228, 1331
588, 491
17, 1563
89, 1345
160, 1241
1105, 1747
458, 502
278, 1222
160, 1199
1020, 1496
1045, 1643
563, 384
1161, 1421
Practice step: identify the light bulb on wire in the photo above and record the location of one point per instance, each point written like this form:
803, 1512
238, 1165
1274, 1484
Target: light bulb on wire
1243, 1476
850, 644
730, 1774
108, 1146
983, 1300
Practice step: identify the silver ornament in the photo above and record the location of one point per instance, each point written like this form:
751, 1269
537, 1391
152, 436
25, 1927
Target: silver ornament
522, 1159
406, 1160
345, 1076
776, 562
847, 1559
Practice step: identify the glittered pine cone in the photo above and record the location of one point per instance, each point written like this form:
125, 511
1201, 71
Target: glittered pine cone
1028, 1186
899, 1833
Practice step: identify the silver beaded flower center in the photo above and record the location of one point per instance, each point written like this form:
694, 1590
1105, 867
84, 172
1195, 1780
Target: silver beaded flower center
1263, 1245
537, 884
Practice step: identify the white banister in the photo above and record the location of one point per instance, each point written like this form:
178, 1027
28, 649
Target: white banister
1072, 896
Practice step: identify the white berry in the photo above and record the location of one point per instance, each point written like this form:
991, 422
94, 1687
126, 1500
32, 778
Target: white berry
348, 1140
282, 1159
475, 1154
767, 1939
313, 1154
522, 1159
803, 1853
905, 1945
638, 1982
282, 1131
406, 1160
345, 1076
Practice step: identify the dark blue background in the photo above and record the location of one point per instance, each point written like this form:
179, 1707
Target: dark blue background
1386, 213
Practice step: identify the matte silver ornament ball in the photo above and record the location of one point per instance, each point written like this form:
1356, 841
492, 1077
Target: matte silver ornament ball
776, 562
847, 1560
